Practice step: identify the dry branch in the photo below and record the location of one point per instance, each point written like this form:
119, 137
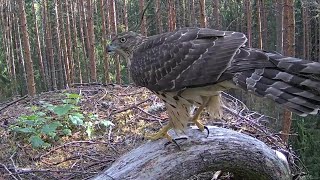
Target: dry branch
224, 149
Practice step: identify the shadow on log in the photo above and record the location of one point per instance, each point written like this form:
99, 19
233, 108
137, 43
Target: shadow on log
224, 149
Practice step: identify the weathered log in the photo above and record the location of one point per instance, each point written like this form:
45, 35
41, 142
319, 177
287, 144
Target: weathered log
224, 149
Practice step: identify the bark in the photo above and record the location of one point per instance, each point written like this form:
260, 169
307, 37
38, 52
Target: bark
288, 50
264, 23
104, 42
125, 18
77, 62
38, 48
113, 27
279, 25
66, 60
249, 20
49, 48
61, 80
69, 43
159, 17
183, 13
203, 19
26, 46
143, 28
216, 14
192, 13
224, 149
171, 16
259, 24
83, 35
91, 49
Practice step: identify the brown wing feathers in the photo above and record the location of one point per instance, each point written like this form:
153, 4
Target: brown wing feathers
190, 57
288, 81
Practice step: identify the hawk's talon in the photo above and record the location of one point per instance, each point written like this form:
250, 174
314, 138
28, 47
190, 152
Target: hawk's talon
175, 142
206, 128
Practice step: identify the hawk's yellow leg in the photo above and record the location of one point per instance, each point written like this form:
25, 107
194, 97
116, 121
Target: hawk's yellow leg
196, 116
162, 133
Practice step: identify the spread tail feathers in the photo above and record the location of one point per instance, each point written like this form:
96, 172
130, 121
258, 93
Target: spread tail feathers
291, 82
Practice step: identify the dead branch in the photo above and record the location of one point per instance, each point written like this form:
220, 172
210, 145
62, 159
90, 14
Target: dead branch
224, 150
13, 102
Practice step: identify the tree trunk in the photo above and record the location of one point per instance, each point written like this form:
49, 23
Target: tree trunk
69, 44
259, 24
38, 48
77, 62
64, 51
279, 25
192, 13
61, 79
125, 18
203, 19
84, 39
113, 27
224, 150
26, 46
249, 20
143, 28
104, 42
264, 23
216, 14
288, 50
159, 17
49, 48
91, 45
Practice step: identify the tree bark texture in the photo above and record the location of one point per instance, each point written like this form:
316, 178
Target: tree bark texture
288, 50
224, 149
26, 46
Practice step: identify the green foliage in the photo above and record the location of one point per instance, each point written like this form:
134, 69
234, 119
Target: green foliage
48, 123
307, 143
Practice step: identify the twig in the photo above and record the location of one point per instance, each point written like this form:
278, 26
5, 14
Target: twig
13, 102
13, 163
10, 173
156, 117
128, 108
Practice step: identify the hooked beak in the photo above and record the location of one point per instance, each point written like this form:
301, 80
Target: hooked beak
111, 48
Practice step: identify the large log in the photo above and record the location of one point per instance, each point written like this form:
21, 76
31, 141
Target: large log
224, 149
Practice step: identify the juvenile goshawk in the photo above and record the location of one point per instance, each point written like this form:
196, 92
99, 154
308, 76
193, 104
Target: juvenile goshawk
191, 66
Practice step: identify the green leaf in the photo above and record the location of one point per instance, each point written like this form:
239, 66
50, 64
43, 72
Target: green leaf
106, 123
66, 131
76, 119
36, 141
93, 116
62, 109
50, 129
73, 96
30, 117
46, 145
40, 114
24, 130
34, 108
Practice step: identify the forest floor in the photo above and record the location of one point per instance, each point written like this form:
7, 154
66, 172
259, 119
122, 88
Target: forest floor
111, 121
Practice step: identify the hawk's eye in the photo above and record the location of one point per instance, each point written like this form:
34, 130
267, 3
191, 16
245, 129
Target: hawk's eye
122, 40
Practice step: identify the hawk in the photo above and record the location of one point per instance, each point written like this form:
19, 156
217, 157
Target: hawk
191, 66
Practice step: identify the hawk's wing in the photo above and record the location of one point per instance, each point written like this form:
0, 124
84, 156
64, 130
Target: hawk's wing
189, 57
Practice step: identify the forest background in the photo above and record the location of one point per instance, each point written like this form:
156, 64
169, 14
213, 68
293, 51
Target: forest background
50, 45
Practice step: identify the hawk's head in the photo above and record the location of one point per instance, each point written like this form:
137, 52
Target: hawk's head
125, 43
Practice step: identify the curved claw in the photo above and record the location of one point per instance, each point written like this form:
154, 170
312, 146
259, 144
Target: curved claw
175, 142
206, 128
